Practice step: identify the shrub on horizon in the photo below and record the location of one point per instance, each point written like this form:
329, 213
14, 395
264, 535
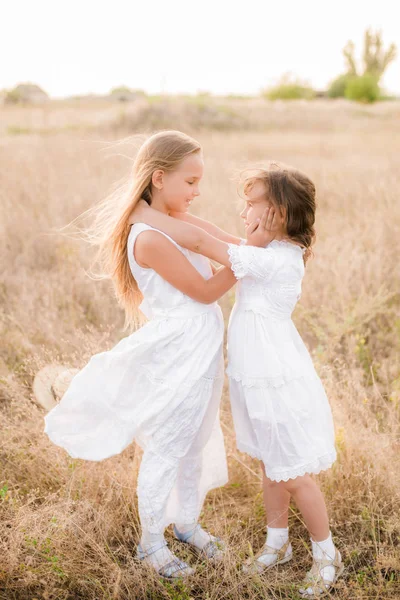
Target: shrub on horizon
337, 87
363, 88
290, 89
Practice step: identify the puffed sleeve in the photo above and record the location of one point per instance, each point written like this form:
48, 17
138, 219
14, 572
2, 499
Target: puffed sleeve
251, 261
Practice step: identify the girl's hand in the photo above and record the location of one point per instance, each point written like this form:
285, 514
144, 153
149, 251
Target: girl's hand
262, 232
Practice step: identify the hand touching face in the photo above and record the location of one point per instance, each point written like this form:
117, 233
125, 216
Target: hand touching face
257, 202
262, 231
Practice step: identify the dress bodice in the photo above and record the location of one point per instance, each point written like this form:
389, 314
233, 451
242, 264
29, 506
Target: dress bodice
270, 278
160, 298
264, 346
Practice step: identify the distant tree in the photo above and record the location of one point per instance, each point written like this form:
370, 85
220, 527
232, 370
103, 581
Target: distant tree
363, 85
348, 52
363, 88
125, 94
375, 58
338, 86
121, 89
26, 93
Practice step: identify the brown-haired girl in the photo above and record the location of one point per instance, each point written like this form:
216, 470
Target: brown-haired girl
162, 384
280, 410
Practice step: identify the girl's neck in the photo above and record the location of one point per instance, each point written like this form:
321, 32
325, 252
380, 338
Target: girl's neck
158, 204
281, 235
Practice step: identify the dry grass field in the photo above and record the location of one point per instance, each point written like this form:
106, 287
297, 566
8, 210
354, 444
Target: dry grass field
68, 529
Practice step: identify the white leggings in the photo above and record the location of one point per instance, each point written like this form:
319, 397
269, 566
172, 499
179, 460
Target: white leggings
171, 484
157, 478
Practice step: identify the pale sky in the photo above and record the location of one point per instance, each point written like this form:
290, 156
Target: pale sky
173, 46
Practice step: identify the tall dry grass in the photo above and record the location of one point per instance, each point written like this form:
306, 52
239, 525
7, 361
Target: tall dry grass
68, 529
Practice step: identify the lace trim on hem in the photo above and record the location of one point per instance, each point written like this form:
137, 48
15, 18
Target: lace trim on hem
322, 463
266, 382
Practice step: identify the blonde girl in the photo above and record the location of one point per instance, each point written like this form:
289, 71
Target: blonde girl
281, 413
161, 385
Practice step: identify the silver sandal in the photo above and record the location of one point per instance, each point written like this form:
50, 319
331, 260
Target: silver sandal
255, 566
316, 582
212, 551
175, 569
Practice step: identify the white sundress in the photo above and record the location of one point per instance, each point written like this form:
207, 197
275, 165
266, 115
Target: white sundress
280, 409
160, 386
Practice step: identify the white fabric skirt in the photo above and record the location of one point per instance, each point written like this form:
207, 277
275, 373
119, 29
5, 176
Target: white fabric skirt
280, 409
160, 386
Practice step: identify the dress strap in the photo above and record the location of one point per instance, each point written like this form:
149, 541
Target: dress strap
138, 228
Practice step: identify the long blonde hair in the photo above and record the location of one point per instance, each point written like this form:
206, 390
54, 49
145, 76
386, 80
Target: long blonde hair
110, 228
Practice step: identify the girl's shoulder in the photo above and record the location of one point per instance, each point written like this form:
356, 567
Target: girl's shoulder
286, 246
138, 228
289, 258
135, 230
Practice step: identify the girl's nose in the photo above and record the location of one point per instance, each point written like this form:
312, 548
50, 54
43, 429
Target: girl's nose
243, 213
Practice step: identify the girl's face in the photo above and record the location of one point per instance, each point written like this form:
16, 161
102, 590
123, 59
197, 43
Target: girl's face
256, 201
180, 187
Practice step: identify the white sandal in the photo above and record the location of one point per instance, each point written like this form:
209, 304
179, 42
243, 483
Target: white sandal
174, 569
213, 550
256, 566
316, 582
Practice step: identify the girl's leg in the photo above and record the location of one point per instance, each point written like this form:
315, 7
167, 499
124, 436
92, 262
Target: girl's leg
155, 481
311, 503
276, 502
190, 503
188, 492
189, 485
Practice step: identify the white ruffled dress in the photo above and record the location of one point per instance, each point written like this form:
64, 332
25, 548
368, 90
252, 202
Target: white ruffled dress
160, 386
280, 409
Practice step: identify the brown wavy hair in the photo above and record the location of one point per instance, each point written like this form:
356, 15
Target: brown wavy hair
291, 190
110, 226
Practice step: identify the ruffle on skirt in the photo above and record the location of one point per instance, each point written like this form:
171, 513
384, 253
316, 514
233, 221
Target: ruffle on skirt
289, 428
265, 352
152, 382
280, 409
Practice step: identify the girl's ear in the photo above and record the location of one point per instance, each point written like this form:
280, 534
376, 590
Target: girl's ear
157, 179
283, 213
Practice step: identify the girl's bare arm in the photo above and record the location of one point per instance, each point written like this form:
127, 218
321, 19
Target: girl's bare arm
196, 239
153, 250
212, 229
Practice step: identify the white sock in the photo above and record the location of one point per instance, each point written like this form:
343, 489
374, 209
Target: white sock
199, 539
160, 557
276, 538
185, 527
150, 539
325, 550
